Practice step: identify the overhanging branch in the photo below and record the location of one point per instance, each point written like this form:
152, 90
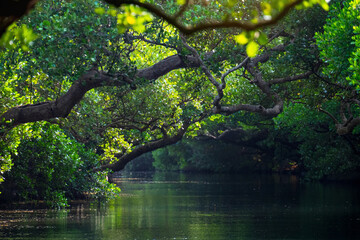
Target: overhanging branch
173, 20
12, 10
90, 80
291, 78
148, 147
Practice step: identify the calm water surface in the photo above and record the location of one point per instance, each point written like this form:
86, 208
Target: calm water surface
188, 206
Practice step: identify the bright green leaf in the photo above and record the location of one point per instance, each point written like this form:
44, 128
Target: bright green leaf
252, 49
99, 11
242, 38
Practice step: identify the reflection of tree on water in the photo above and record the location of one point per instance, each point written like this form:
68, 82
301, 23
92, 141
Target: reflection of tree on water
202, 206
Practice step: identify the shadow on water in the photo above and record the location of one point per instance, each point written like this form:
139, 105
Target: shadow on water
200, 206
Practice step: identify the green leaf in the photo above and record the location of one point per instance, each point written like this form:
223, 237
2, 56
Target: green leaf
252, 49
242, 38
46, 23
180, 2
324, 5
232, 3
266, 8
263, 39
99, 10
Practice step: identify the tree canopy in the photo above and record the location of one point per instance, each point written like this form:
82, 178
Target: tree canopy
135, 76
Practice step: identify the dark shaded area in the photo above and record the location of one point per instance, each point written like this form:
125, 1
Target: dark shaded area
12, 10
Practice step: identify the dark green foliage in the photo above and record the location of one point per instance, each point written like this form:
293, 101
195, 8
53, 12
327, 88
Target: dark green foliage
220, 157
207, 156
323, 153
339, 43
142, 163
172, 158
54, 168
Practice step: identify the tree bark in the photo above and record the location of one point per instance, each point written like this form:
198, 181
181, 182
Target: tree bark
148, 147
62, 106
12, 10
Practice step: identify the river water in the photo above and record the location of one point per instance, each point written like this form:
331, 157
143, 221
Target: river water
200, 206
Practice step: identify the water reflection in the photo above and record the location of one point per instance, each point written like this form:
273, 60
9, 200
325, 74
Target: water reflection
188, 206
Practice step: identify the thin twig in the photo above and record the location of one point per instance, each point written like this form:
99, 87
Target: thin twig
330, 115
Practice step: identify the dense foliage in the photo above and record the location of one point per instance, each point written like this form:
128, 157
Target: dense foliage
86, 87
209, 156
54, 168
340, 41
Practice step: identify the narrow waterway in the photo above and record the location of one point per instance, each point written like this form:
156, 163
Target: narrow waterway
200, 206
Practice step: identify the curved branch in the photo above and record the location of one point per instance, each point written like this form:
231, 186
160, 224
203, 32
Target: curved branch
12, 10
219, 86
173, 20
252, 68
344, 127
142, 38
330, 115
63, 105
291, 78
151, 146
272, 112
90, 80
167, 65
261, 58
233, 70
202, 64
348, 127
122, 159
